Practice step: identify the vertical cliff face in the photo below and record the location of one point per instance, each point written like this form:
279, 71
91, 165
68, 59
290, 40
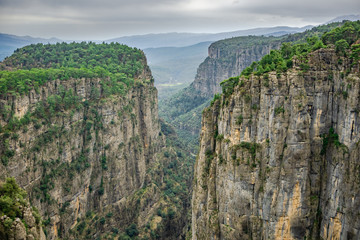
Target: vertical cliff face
87, 158
226, 58
225, 61
95, 162
279, 157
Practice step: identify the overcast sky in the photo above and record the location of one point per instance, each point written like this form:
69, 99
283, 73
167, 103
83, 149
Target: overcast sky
104, 19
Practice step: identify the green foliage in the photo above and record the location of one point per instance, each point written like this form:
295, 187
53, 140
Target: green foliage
345, 94
228, 85
113, 57
102, 221
22, 81
209, 157
132, 230
183, 111
80, 227
281, 60
166, 154
250, 146
217, 96
341, 46
181, 103
239, 119
103, 162
166, 128
349, 32
12, 200
34, 65
329, 139
355, 52
221, 159
279, 110
219, 137
36, 215
101, 188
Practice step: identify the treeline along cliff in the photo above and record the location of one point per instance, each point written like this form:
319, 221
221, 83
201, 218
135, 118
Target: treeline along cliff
226, 58
279, 149
80, 133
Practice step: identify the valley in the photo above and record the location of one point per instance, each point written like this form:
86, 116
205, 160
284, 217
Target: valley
262, 144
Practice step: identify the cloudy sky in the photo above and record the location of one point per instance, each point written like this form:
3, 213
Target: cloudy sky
104, 19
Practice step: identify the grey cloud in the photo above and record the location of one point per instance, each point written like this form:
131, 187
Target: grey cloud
79, 19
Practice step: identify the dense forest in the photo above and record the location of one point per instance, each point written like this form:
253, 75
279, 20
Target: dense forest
34, 65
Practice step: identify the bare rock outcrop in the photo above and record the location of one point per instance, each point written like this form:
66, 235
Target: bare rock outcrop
279, 157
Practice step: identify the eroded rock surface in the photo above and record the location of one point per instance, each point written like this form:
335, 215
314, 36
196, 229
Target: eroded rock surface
279, 157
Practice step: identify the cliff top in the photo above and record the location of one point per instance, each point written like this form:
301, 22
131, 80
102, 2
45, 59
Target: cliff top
32, 66
231, 44
344, 39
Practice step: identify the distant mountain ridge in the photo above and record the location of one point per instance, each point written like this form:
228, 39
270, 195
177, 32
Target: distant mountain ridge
9, 43
185, 39
352, 17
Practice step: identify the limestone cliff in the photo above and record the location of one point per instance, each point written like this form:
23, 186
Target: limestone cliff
94, 163
279, 157
227, 58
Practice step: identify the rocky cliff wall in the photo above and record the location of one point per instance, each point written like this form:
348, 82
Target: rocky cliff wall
87, 159
224, 62
279, 158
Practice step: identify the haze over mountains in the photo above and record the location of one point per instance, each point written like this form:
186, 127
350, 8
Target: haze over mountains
172, 57
9, 43
186, 39
261, 143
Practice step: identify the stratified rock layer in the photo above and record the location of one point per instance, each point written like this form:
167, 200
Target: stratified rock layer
279, 158
223, 63
96, 156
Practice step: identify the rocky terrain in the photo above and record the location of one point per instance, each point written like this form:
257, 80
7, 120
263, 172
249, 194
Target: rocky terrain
279, 148
226, 58
279, 154
95, 165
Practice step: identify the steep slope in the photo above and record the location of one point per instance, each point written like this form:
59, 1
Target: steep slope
279, 150
226, 58
80, 132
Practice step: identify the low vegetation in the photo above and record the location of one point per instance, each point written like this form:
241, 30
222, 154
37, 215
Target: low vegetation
343, 38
